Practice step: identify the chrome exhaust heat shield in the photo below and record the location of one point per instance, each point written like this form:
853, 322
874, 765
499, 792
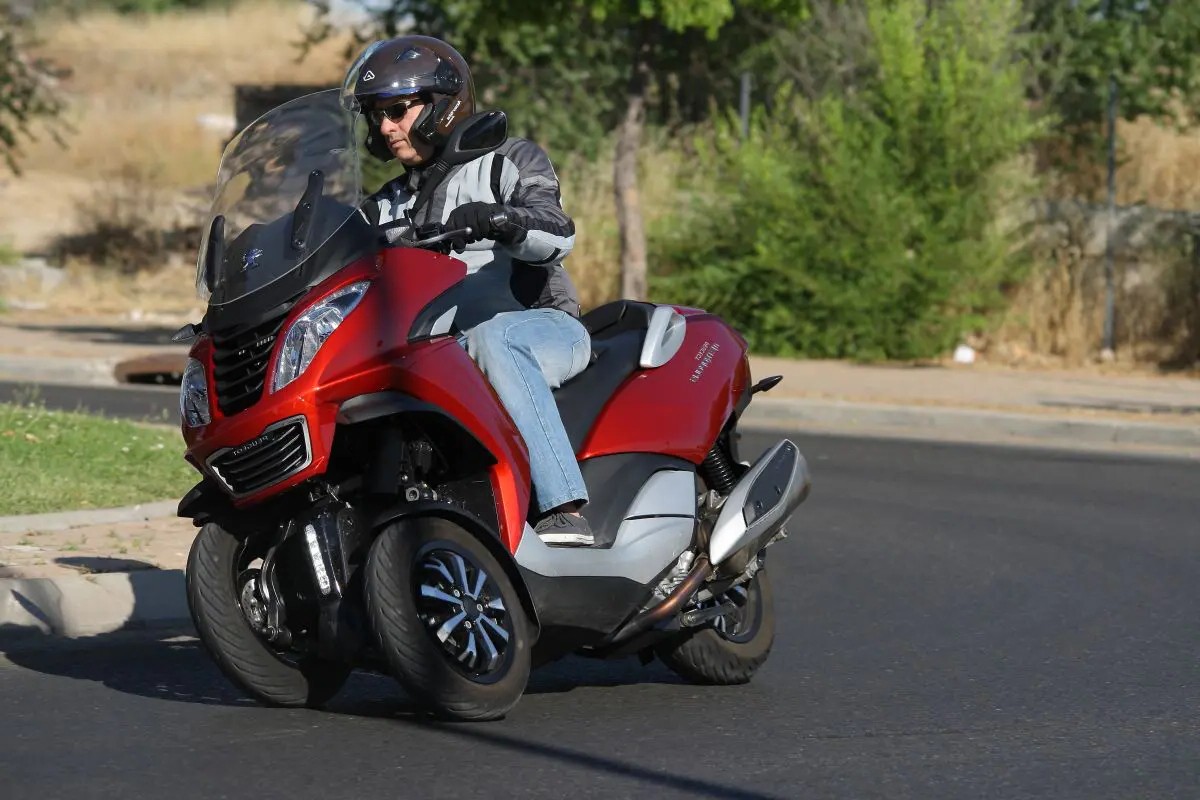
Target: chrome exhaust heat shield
761, 502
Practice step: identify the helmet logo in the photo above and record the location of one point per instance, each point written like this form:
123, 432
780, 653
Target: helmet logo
368, 76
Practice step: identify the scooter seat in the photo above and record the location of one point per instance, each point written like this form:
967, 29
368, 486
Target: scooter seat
618, 330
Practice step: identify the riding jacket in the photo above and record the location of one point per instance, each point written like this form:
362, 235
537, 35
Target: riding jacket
528, 273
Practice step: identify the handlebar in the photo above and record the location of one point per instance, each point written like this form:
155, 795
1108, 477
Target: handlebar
436, 234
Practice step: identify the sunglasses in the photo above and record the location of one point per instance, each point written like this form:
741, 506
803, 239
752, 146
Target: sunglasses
396, 111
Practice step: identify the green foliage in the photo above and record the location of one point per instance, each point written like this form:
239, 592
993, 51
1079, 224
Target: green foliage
562, 69
1152, 47
862, 224
26, 92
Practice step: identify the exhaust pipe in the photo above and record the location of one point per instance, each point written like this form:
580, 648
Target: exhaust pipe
760, 502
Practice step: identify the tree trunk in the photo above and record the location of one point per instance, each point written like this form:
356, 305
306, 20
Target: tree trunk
625, 181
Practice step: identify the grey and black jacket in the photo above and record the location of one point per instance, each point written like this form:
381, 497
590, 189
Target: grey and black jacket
525, 274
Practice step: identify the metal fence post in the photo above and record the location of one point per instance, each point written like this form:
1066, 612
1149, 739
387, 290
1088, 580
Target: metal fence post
1110, 299
744, 105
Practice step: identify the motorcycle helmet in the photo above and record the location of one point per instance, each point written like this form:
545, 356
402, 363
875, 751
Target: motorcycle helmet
403, 67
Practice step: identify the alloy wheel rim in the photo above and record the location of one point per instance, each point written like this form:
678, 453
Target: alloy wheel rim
463, 611
250, 599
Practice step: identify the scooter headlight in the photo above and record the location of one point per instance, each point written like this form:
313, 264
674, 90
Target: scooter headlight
193, 395
310, 330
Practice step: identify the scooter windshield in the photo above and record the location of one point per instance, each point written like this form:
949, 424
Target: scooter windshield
286, 184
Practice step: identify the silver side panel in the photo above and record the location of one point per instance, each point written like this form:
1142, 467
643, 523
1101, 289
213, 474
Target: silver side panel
669, 492
643, 548
664, 337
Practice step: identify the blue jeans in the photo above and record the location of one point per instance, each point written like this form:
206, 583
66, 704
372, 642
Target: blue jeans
524, 355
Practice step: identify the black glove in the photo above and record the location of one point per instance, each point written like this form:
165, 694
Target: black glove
479, 218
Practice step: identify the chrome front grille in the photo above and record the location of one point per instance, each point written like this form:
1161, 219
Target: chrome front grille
240, 365
279, 452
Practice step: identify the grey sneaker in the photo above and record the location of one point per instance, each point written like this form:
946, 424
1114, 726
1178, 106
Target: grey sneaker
564, 530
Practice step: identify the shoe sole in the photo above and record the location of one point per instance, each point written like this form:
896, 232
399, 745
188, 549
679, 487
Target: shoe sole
568, 539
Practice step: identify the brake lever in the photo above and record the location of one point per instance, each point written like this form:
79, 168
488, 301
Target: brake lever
441, 237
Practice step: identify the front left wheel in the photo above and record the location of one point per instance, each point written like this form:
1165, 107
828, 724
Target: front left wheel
448, 619
226, 610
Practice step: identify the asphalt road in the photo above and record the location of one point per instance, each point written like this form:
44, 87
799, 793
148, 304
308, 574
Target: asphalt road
152, 403
952, 622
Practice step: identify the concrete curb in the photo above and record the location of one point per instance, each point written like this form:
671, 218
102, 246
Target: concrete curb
88, 605
62, 520
973, 425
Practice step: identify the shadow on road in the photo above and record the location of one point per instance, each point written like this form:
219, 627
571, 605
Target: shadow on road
171, 665
102, 564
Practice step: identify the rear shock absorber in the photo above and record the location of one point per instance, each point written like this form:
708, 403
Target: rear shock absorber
717, 470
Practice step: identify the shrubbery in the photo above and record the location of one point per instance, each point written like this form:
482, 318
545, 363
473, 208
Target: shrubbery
864, 224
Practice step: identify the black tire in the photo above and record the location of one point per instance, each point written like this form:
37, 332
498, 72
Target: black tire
713, 658
421, 664
245, 658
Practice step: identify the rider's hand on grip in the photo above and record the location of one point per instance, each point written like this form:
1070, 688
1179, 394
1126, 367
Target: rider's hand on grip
484, 221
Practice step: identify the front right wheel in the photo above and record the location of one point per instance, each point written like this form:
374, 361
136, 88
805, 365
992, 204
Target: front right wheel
448, 619
734, 646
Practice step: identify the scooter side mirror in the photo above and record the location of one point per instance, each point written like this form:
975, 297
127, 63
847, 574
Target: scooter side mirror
476, 136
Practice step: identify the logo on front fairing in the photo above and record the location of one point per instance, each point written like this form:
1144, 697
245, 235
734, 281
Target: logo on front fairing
250, 445
251, 259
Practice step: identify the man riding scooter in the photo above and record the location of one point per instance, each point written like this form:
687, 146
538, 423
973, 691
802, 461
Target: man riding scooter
520, 318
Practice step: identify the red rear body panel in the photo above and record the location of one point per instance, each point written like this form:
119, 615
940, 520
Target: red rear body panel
679, 408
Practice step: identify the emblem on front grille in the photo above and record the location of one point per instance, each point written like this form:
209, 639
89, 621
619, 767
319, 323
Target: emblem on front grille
250, 445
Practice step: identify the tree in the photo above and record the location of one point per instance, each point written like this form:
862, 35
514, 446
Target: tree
1151, 47
874, 200
26, 91
580, 68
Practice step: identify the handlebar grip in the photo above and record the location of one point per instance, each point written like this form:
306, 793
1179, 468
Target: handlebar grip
500, 219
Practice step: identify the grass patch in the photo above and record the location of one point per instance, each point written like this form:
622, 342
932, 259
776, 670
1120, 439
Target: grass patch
58, 461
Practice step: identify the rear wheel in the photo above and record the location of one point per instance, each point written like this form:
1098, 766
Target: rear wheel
228, 611
734, 645
448, 619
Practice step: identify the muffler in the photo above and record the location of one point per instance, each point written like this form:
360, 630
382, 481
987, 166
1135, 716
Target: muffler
760, 503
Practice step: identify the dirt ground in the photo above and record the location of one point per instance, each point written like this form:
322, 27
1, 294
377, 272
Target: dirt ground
115, 547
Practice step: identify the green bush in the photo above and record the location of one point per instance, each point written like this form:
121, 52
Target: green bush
863, 224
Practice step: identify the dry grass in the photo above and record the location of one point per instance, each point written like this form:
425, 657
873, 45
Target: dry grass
1056, 317
595, 263
166, 295
1156, 166
1161, 166
138, 86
